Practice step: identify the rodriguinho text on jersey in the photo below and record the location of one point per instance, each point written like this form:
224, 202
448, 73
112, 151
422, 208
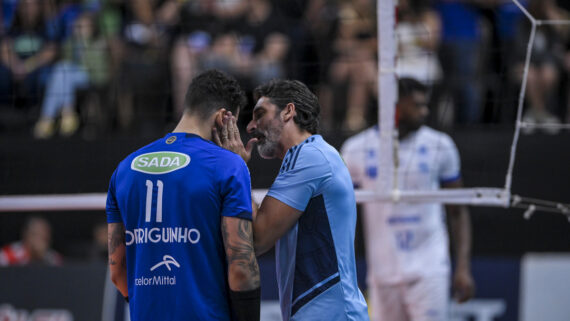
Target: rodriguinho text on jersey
162, 235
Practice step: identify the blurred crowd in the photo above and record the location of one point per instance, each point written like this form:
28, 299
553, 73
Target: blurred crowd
35, 245
34, 248
93, 67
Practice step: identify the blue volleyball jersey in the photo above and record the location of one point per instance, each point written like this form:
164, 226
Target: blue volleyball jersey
171, 196
316, 269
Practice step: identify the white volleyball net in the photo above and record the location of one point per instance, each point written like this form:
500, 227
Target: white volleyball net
391, 38
394, 38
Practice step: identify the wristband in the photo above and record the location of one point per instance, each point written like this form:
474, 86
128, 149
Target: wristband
245, 304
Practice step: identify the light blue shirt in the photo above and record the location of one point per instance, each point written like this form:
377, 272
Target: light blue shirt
316, 269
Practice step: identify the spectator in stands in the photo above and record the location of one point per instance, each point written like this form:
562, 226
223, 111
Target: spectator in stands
144, 79
547, 62
302, 61
505, 17
418, 35
269, 63
320, 18
199, 24
34, 248
227, 55
98, 251
8, 10
27, 52
259, 20
354, 66
64, 16
459, 55
263, 38
84, 63
246, 39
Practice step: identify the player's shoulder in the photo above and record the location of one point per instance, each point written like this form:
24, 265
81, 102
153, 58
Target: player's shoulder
148, 148
435, 136
226, 158
312, 152
314, 149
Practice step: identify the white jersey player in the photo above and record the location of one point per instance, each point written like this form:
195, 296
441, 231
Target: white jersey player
407, 244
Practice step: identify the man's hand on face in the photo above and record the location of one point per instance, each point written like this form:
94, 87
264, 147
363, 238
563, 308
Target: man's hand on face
228, 137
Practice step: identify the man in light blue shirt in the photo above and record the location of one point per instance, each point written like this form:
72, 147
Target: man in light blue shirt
309, 213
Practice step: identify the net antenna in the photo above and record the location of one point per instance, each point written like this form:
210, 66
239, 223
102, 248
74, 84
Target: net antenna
387, 189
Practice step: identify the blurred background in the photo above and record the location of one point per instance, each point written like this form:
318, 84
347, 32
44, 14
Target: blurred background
83, 83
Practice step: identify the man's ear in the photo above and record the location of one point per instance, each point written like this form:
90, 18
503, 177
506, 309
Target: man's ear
220, 117
288, 112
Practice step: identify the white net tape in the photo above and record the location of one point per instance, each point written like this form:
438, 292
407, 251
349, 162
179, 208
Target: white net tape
56, 202
96, 201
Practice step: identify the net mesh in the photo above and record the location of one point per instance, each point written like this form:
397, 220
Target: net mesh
393, 36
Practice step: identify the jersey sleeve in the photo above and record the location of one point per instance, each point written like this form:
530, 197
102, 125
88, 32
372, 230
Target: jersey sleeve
353, 158
303, 179
236, 189
449, 164
112, 208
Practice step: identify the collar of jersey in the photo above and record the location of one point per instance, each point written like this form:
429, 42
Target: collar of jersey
187, 135
316, 136
410, 135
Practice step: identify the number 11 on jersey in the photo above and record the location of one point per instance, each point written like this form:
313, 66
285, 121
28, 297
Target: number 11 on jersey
148, 207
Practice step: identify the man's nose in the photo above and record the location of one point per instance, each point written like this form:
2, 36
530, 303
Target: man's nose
251, 127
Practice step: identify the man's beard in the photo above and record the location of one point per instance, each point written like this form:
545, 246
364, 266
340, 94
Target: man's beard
269, 144
412, 126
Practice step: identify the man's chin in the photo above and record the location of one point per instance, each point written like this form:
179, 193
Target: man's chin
265, 154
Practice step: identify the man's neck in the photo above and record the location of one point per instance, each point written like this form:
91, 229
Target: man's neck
194, 125
404, 132
294, 137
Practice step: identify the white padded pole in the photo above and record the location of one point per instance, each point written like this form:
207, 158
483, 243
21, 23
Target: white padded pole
387, 94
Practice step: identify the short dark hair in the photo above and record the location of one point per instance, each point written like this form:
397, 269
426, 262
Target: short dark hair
407, 86
212, 90
282, 92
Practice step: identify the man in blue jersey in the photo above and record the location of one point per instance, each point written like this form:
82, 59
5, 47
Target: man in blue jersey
179, 214
309, 213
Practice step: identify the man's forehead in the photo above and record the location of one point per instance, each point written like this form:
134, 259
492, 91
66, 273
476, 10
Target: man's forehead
262, 102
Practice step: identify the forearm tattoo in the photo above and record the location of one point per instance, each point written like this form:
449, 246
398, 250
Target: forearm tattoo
116, 238
239, 250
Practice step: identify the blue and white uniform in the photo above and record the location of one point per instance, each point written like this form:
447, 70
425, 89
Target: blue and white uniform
406, 244
316, 269
171, 196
